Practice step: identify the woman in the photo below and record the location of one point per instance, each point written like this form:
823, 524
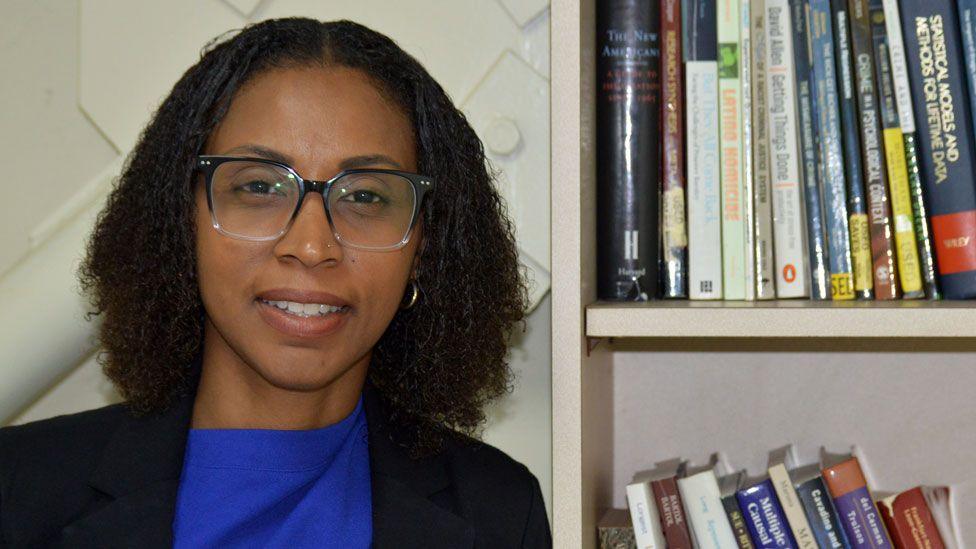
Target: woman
307, 285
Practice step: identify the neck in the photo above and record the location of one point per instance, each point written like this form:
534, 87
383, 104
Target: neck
234, 395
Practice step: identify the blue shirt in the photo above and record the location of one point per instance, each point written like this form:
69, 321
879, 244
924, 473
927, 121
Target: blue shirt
276, 488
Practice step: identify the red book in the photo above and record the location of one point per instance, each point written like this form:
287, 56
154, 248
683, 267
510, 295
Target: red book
675, 235
910, 521
669, 507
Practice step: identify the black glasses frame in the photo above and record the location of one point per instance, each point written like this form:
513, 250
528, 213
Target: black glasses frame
208, 164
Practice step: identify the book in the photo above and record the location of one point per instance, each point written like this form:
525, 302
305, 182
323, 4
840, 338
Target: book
664, 485
728, 485
761, 193
946, 143
789, 230
781, 461
816, 236
827, 118
857, 215
701, 134
703, 505
909, 520
849, 491
763, 514
615, 531
906, 118
872, 154
906, 247
643, 514
628, 149
730, 151
746, 143
818, 507
675, 233
967, 30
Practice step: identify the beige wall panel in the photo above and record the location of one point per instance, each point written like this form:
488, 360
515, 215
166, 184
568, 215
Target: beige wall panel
48, 146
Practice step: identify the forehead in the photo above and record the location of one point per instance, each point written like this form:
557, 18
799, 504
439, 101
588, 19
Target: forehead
318, 116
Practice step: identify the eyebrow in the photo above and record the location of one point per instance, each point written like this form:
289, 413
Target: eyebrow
359, 161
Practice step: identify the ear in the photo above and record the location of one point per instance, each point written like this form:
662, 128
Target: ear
418, 232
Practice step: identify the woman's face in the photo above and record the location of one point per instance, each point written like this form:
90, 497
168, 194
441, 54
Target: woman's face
322, 120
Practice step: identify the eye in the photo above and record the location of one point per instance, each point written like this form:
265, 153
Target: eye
362, 196
258, 187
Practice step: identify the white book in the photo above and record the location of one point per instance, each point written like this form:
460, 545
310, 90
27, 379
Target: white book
703, 505
746, 137
643, 515
704, 206
789, 227
780, 461
730, 151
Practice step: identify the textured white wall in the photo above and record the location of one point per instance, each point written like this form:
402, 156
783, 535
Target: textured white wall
89, 74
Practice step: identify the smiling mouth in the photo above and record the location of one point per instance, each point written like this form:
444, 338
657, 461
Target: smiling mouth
305, 310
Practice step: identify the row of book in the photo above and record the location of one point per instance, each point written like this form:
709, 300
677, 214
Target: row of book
823, 505
770, 149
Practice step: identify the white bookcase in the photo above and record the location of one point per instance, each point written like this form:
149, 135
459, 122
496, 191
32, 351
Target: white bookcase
639, 383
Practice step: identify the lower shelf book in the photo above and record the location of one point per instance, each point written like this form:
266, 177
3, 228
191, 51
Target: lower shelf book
819, 505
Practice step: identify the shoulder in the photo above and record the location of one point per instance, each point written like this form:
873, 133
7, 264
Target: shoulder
58, 440
45, 465
499, 490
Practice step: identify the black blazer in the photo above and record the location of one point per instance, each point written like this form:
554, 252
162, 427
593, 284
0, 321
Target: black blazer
104, 478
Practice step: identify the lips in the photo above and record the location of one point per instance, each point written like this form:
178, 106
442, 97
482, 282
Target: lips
297, 323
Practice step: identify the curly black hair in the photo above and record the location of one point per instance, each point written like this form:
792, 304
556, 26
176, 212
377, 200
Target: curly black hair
438, 364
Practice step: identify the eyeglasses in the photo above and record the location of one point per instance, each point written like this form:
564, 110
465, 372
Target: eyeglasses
258, 199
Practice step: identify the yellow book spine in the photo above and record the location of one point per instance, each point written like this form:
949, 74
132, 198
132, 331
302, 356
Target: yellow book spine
861, 252
909, 270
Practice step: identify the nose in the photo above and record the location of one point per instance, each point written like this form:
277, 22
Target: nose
310, 239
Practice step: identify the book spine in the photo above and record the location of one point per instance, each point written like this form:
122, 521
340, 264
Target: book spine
761, 196
858, 514
967, 28
816, 237
675, 234
875, 178
827, 118
738, 523
910, 275
628, 149
701, 133
933, 50
909, 521
746, 144
821, 514
856, 202
792, 507
643, 515
705, 512
764, 517
906, 118
789, 231
672, 513
730, 126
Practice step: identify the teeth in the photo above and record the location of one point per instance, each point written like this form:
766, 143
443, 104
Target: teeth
304, 309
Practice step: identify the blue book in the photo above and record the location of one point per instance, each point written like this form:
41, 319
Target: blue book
967, 27
764, 516
819, 508
816, 236
933, 41
826, 115
857, 213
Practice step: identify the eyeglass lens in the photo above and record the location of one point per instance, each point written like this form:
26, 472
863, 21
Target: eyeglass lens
256, 200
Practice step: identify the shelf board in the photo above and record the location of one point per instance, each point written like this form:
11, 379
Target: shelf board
782, 319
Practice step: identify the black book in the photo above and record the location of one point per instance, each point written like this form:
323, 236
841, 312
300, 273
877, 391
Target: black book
628, 133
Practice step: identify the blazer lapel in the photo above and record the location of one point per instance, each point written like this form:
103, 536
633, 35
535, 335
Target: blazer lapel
140, 470
403, 490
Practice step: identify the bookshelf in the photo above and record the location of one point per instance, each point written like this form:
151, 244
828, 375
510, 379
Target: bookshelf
639, 383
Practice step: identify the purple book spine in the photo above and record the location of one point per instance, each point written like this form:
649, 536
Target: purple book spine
861, 520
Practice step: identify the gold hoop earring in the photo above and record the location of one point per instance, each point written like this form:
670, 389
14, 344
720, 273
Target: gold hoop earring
413, 296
